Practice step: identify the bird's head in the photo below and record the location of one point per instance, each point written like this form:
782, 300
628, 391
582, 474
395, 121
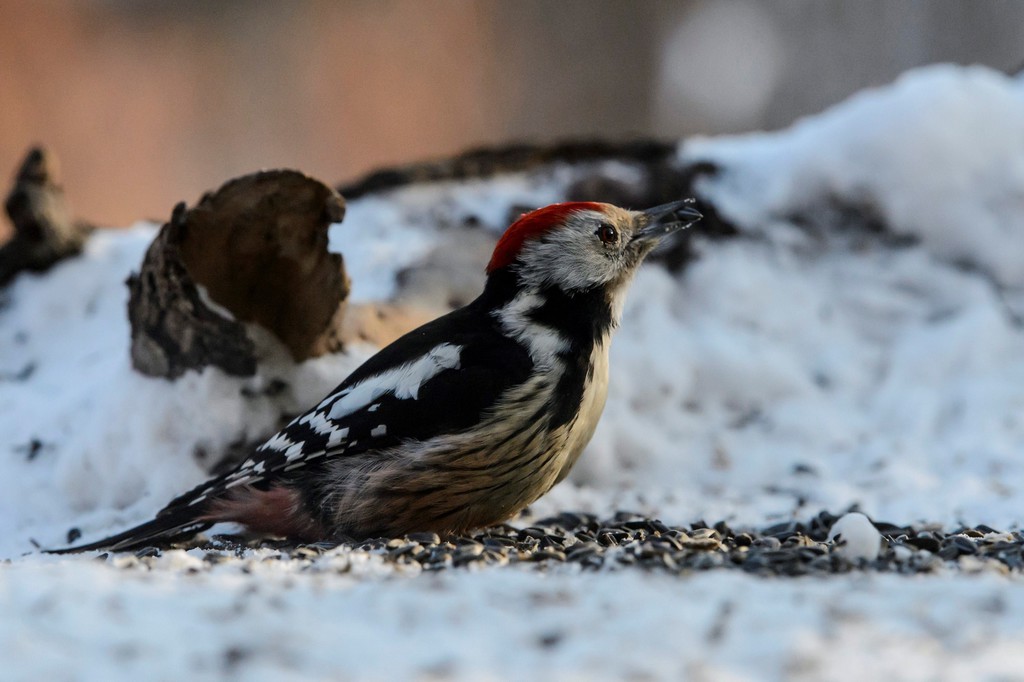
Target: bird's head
579, 246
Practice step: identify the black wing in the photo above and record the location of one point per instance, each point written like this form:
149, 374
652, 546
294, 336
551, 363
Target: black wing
450, 400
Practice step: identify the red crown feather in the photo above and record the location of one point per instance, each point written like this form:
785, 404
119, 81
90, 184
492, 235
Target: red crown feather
531, 225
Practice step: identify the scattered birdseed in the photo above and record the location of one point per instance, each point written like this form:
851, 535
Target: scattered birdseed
630, 541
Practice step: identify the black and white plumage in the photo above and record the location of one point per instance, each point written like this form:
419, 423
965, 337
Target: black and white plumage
462, 422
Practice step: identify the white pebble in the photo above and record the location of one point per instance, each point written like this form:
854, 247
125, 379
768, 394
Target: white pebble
856, 537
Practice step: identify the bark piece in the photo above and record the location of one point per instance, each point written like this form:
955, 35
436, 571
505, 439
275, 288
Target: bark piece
173, 329
44, 231
486, 162
254, 251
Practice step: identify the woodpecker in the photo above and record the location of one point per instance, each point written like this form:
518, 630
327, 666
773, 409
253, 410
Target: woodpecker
462, 422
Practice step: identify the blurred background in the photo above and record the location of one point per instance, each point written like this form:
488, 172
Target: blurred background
147, 103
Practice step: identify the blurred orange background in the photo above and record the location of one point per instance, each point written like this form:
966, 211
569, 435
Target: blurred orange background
148, 103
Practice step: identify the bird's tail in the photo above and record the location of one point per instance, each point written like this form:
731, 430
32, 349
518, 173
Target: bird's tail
183, 517
157, 531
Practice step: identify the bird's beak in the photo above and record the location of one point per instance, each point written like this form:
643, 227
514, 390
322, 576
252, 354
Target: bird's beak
666, 219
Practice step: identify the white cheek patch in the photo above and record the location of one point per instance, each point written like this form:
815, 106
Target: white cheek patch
543, 343
570, 257
404, 382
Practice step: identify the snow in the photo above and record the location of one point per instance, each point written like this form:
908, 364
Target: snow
939, 154
856, 537
787, 371
278, 623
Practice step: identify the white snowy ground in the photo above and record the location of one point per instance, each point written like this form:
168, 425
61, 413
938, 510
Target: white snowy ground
85, 620
784, 372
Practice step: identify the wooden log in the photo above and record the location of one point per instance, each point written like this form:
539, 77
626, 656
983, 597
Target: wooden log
253, 252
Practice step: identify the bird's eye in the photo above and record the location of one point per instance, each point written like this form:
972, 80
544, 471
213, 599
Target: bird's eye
607, 234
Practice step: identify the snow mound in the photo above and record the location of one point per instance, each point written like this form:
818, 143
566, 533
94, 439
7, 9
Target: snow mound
939, 155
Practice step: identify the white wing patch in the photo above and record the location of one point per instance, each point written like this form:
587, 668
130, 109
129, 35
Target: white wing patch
337, 436
319, 422
294, 452
403, 381
280, 441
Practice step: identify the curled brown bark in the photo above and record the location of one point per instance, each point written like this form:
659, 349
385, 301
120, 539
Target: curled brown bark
254, 251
